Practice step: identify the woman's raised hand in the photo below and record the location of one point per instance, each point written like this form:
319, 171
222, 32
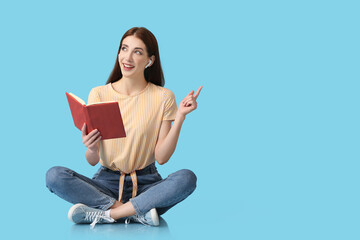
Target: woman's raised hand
90, 140
189, 104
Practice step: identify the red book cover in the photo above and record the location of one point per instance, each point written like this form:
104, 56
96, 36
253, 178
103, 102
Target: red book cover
103, 116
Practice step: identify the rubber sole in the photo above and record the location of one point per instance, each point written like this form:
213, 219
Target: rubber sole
154, 217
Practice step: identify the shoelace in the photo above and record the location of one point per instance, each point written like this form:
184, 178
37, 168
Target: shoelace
138, 218
96, 217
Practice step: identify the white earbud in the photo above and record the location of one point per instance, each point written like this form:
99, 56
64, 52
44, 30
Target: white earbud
148, 64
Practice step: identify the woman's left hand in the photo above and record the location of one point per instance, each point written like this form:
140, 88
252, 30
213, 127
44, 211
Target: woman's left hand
189, 104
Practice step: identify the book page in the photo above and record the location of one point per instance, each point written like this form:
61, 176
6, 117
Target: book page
78, 99
83, 103
101, 102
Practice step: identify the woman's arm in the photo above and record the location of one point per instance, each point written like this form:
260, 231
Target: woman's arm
167, 140
92, 156
169, 135
92, 142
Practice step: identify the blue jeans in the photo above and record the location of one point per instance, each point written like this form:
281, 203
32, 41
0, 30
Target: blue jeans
103, 189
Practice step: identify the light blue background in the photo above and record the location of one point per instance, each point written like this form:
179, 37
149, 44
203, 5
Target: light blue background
274, 141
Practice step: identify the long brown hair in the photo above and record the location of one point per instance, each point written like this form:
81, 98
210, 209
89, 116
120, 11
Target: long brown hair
154, 73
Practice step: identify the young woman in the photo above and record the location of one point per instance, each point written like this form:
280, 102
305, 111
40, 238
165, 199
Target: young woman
127, 185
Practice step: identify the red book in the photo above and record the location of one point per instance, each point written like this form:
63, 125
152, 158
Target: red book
103, 116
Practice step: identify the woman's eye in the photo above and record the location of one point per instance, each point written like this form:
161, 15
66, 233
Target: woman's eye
123, 48
138, 52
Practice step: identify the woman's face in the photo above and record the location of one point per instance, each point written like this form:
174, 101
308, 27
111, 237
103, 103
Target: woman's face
133, 57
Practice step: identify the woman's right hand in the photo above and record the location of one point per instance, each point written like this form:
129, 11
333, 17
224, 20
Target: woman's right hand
90, 140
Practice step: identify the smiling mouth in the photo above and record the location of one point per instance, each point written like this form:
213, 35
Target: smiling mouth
127, 67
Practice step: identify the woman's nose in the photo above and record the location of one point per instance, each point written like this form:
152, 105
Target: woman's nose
128, 56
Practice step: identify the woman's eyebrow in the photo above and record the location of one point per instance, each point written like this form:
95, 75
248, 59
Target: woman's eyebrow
134, 48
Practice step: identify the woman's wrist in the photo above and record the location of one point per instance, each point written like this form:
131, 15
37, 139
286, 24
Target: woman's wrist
92, 157
180, 117
91, 150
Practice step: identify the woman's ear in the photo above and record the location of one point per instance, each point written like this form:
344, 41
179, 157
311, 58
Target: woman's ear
152, 58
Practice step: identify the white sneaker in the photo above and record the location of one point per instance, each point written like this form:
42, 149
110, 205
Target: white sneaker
80, 213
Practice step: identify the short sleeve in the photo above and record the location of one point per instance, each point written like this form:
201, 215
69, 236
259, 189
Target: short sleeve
170, 108
93, 96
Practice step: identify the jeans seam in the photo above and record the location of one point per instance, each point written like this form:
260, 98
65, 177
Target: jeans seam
110, 199
177, 200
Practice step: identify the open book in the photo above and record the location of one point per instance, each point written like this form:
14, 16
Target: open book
103, 116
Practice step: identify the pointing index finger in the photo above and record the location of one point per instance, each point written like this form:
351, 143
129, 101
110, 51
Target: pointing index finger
198, 92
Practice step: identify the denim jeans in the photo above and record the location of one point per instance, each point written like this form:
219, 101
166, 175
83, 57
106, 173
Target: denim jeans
103, 189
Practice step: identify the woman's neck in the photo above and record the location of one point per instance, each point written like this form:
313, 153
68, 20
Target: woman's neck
130, 86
